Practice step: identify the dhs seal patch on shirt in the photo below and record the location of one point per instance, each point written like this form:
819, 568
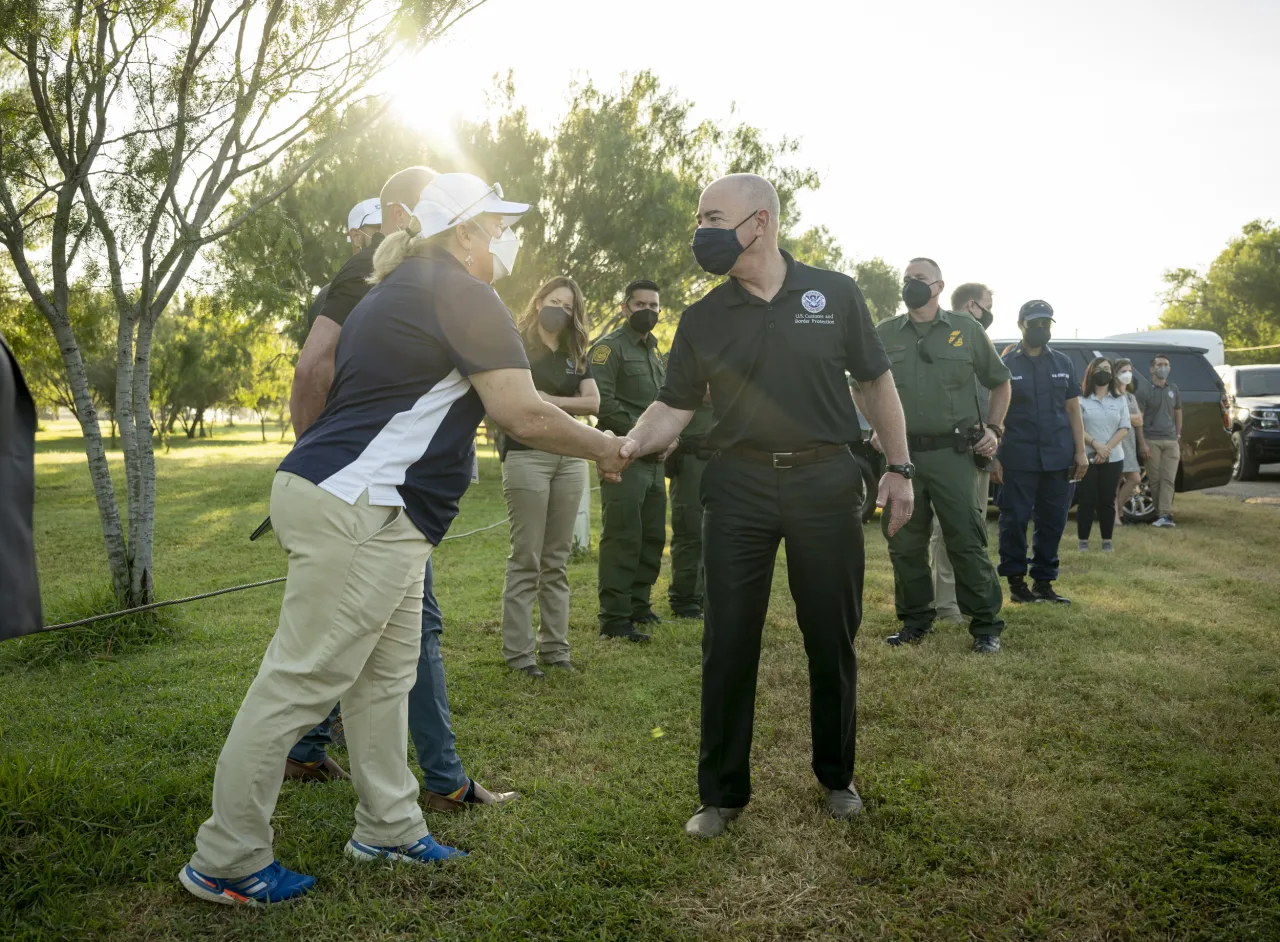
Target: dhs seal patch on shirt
815, 312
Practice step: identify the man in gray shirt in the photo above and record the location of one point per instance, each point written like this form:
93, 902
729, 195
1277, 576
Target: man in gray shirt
1161, 405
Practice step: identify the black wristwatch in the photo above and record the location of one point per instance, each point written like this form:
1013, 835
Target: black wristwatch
996, 430
907, 470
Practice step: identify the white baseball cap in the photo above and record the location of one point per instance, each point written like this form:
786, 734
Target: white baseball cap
364, 213
453, 198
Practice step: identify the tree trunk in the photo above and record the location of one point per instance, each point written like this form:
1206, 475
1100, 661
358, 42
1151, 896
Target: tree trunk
262, 418
142, 519
99, 471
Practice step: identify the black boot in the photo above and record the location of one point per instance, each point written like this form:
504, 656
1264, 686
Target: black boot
905, 636
1018, 591
1043, 592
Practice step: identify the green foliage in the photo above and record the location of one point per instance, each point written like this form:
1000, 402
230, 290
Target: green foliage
881, 284
1238, 297
92, 316
615, 186
202, 358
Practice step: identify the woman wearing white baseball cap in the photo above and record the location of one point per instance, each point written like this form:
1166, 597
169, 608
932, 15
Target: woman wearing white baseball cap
464, 215
359, 505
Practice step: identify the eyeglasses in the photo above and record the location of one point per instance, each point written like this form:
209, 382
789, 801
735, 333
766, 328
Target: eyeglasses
495, 190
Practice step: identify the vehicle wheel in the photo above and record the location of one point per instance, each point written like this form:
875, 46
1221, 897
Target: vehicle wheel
870, 485
1245, 467
1141, 506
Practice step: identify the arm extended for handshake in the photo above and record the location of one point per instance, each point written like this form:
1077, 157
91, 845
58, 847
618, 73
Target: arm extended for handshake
661, 425
511, 400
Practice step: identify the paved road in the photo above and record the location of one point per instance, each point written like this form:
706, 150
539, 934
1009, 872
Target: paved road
1265, 490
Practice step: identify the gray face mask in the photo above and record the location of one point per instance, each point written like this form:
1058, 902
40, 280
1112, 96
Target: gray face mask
1162, 372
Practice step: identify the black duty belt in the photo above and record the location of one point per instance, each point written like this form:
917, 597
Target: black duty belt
931, 442
783, 460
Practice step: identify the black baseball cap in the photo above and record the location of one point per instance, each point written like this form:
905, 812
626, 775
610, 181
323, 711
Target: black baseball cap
1034, 309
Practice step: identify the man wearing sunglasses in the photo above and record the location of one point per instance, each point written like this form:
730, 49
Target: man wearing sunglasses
1041, 455
938, 359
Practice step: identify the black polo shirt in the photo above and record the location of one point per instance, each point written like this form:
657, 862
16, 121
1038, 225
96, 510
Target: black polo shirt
776, 368
554, 373
349, 285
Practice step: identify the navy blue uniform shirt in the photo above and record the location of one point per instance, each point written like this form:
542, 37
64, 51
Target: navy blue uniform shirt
401, 417
1037, 434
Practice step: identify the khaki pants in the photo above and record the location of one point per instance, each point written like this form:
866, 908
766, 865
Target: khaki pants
1162, 472
944, 576
350, 627
543, 492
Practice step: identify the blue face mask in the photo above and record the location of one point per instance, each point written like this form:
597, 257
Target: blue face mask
717, 250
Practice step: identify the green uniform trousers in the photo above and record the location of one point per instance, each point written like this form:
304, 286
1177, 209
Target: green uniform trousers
634, 531
944, 485
686, 533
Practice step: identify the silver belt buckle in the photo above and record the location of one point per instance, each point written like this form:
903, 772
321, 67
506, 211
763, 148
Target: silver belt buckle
782, 454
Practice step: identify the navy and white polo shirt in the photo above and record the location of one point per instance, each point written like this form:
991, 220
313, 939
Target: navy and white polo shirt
401, 417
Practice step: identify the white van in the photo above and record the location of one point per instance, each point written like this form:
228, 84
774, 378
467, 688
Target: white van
1212, 343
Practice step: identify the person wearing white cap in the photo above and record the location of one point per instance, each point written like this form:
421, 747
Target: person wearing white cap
359, 505
363, 222
368, 223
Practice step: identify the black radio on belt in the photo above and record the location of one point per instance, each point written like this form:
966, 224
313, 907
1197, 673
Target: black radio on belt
967, 438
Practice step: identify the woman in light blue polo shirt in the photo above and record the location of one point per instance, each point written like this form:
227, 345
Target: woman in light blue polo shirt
1105, 411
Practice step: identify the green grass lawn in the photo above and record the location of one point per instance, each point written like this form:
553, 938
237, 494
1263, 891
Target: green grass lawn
1113, 773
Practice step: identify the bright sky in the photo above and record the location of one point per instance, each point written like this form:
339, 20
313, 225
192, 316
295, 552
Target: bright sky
1069, 151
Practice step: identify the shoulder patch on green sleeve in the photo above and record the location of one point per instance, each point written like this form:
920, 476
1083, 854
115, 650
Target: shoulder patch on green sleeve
600, 355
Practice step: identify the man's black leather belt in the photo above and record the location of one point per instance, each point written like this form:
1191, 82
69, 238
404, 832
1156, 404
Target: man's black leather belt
931, 442
783, 460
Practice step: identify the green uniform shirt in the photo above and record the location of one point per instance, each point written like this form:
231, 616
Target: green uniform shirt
629, 373
940, 396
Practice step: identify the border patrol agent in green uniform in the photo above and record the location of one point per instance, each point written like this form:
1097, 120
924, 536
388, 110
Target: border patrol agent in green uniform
684, 468
629, 371
935, 357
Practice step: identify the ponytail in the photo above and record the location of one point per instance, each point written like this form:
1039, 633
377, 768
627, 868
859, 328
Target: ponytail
407, 243
393, 250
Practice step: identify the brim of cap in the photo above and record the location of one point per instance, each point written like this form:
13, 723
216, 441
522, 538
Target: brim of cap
436, 218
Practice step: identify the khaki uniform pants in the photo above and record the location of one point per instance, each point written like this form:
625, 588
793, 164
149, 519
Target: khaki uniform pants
944, 576
350, 628
543, 492
1162, 472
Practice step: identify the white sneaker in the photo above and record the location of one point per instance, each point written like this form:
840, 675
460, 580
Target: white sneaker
1164, 522
1084, 546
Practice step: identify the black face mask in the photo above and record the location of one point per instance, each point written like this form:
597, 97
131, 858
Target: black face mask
985, 317
717, 250
916, 294
1101, 378
643, 320
553, 318
1036, 335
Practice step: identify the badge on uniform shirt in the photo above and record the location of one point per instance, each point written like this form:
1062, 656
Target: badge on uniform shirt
1170, 393
600, 355
956, 339
814, 301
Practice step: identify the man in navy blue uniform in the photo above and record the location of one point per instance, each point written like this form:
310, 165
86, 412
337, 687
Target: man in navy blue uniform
1041, 455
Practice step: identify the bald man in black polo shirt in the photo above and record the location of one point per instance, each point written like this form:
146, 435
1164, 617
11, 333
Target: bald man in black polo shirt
774, 342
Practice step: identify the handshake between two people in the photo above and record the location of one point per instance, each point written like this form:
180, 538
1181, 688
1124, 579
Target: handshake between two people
618, 454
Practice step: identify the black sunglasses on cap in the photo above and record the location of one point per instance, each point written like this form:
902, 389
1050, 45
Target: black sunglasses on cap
1034, 309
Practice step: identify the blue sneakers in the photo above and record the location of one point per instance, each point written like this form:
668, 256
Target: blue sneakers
425, 851
273, 884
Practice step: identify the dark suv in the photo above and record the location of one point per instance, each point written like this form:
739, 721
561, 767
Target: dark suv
1253, 396
1205, 420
